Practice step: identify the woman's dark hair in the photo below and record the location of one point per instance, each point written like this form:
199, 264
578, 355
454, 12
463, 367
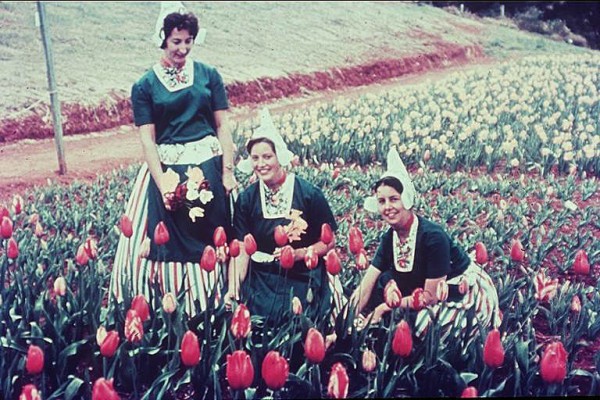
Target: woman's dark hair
187, 22
391, 182
252, 142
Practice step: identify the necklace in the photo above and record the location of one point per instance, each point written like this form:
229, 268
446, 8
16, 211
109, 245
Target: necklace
273, 192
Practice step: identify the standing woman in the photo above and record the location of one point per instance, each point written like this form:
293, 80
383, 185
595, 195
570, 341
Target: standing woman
180, 108
281, 199
417, 254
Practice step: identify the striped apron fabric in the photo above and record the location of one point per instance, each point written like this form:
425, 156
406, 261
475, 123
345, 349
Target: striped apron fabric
482, 295
134, 274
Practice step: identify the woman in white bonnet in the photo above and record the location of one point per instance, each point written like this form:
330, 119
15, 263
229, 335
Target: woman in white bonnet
180, 108
421, 260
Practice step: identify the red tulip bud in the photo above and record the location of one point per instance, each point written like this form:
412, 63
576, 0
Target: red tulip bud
493, 352
369, 360
581, 265
126, 226
314, 346
362, 262
134, 330
281, 237
12, 250
110, 344
250, 244
141, 307
209, 259
338, 382
81, 258
239, 370
6, 228
275, 370
286, 257
332, 262
234, 248
469, 392
402, 343
516, 251
553, 364
392, 295
35, 360
296, 306
190, 349
17, 204
30, 392
326, 234
219, 237
355, 240
311, 259
91, 248
161, 234
240, 322
481, 255
103, 390
169, 303
418, 299
60, 286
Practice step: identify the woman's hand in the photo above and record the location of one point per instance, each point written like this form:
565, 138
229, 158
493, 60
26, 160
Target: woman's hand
229, 298
377, 314
229, 182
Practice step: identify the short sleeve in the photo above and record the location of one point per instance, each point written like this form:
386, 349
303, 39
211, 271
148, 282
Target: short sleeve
381, 258
437, 255
141, 102
218, 93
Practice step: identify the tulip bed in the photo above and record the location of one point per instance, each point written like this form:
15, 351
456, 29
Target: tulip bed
530, 223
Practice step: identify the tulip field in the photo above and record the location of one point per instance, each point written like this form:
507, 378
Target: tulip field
506, 159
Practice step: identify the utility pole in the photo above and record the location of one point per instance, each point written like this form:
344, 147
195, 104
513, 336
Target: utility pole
54, 102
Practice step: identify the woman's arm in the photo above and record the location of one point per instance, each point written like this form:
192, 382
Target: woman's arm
224, 135
362, 293
148, 140
236, 274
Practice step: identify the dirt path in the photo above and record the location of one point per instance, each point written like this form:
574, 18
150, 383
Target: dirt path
30, 163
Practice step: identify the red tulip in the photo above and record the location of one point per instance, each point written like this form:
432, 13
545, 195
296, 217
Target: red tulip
481, 255
250, 244
355, 240
239, 370
30, 392
219, 237
332, 262
240, 322
35, 360
275, 370
545, 288
169, 303
469, 392
296, 306
493, 352
161, 234
402, 343
141, 307
4, 212
369, 360
209, 259
576, 304
103, 390
17, 204
286, 257
418, 299
60, 286
6, 228
326, 234
314, 346
516, 251
91, 248
190, 349
281, 237
234, 248
81, 258
110, 344
553, 364
581, 265
392, 295
12, 250
311, 259
134, 330
338, 382
362, 262
126, 226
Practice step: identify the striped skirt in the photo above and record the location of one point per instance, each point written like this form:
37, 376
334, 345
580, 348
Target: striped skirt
482, 296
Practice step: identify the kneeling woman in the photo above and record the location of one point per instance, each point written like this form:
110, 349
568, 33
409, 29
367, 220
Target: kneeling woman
418, 254
280, 199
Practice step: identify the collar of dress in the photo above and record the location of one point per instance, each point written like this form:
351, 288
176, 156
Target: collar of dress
172, 78
404, 250
278, 204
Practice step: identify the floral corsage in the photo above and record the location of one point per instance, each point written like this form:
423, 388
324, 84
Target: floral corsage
192, 193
